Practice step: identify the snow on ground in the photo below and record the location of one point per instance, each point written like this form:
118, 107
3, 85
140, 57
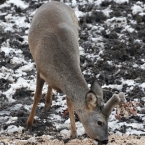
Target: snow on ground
112, 49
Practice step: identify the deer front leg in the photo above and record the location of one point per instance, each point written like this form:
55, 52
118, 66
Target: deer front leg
37, 98
48, 99
72, 119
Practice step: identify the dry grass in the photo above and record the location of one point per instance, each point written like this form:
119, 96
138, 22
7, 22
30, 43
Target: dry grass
113, 140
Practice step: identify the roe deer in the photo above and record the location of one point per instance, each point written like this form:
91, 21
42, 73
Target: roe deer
53, 42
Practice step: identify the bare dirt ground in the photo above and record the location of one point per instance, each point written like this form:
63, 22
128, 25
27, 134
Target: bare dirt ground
114, 140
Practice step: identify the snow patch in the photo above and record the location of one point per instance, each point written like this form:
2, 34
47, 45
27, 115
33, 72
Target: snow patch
121, 1
136, 9
18, 3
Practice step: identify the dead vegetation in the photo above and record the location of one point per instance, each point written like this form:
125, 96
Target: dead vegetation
126, 110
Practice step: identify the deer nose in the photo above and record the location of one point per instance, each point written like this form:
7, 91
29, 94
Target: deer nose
104, 141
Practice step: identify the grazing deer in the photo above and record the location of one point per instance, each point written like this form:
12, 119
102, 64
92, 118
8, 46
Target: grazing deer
53, 42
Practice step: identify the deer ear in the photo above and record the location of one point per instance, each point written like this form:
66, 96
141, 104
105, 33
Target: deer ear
91, 100
95, 87
110, 104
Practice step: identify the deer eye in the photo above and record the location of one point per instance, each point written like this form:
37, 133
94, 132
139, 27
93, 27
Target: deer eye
100, 123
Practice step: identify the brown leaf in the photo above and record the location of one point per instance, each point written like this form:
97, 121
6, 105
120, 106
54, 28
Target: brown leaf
117, 116
118, 110
129, 104
126, 109
125, 105
135, 103
126, 114
65, 112
133, 111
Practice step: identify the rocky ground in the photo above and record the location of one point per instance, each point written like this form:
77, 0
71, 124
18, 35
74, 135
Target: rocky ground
112, 47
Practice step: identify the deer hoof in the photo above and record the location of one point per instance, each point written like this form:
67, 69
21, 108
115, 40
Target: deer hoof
47, 107
28, 127
73, 135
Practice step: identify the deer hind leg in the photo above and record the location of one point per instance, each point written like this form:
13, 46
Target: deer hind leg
48, 99
37, 98
72, 119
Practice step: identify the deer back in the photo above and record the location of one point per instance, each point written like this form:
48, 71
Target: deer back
53, 42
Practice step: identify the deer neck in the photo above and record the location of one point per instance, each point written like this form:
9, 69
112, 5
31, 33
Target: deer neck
76, 89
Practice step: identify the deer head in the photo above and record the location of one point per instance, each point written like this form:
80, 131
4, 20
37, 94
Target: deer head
95, 114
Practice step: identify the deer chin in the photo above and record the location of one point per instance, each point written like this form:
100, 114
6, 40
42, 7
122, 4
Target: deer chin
95, 141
